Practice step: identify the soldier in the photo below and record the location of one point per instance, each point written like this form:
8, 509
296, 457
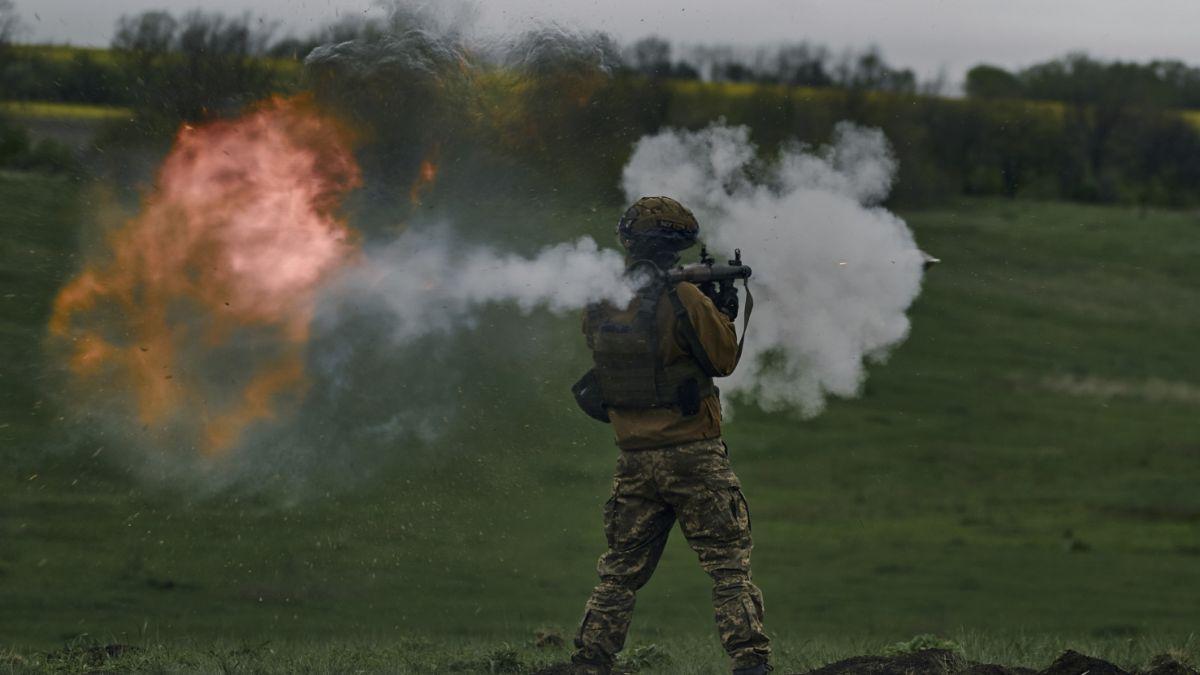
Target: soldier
653, 379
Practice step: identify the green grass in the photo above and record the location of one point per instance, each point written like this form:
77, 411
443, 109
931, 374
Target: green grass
63, 53
1019, 476
421, 655
64, 111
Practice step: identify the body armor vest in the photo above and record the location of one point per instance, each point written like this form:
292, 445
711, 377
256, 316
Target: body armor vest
628, 366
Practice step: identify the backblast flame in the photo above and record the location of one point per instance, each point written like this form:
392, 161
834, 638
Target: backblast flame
194, 320
426, 176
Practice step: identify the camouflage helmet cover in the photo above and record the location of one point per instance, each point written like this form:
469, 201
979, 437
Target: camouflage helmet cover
659, 221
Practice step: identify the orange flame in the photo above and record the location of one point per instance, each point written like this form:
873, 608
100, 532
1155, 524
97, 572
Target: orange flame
426, 177
199, 313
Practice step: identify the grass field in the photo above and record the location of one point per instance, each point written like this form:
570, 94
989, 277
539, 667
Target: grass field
1021, 476
64, 111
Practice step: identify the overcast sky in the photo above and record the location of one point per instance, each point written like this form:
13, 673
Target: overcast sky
927, 35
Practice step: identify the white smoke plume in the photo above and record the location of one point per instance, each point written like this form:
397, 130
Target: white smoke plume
434, 283
834, 273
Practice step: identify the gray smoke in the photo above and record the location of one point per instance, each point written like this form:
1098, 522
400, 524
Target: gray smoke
414, 52
433, 282
437, 41
552, 49
426, 337
419, 342
834, 272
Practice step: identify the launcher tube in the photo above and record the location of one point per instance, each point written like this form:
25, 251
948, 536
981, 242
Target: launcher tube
699, 273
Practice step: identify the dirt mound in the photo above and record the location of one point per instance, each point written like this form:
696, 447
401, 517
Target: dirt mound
993, 669
1074, 663
946, 662
923, 662
931, 661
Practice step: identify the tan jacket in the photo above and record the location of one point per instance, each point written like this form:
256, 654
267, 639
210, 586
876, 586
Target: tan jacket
639, 429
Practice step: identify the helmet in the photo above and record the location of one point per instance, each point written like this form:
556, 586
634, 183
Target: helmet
658, 222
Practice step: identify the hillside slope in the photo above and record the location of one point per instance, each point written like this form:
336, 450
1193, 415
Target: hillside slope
1024, 463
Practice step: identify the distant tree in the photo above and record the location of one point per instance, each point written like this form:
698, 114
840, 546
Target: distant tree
220, 60
733, 71
869, 71
142, 43
1100, 99
149, 32
684, 70
345, 29
10, 22
986, 81
10, 28
726, 64
800, 64
192, 67
290, 47
1079, 78
718, 63
938, 85
87, 80
1076, 78
1182, 80
650, 56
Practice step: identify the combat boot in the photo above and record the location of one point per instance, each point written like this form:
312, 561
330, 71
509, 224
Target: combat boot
760, 669
582, 665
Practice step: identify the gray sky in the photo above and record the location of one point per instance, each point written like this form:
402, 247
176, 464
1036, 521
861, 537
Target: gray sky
923, 34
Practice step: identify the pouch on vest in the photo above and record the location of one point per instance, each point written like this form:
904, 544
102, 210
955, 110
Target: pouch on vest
588, 396
689, 397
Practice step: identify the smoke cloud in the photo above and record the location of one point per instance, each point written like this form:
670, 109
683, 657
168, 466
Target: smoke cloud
252, 352
416, 171
834, 272
433, 282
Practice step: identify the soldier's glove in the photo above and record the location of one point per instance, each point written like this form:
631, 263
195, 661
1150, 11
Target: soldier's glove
727, 301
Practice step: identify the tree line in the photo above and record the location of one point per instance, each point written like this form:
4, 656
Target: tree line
209, 54
1074, 127
1078, 78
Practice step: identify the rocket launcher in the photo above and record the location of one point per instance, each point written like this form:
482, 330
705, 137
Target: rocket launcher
708, 272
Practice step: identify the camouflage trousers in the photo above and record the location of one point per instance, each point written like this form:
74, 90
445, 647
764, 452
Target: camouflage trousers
694, 484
